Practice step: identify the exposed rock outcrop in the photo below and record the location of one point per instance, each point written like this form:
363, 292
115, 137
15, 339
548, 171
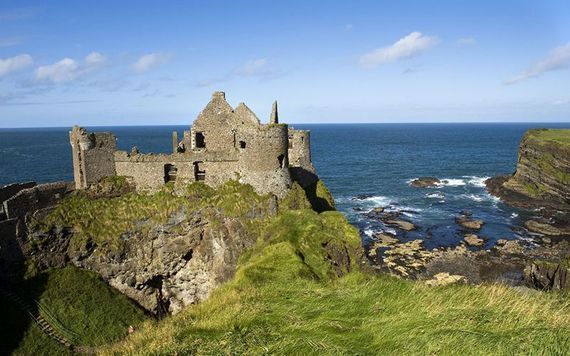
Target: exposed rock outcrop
542, 177
548, 275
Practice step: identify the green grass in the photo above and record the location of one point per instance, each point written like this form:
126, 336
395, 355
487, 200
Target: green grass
561, 136
288, 298
102, 221
81, 306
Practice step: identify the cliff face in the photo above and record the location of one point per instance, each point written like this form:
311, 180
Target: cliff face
164, 250
542, 177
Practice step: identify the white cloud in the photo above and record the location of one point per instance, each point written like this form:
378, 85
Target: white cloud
559, 58
12, 64
406, 47
466, 41
257, 68
63, 71
95, 59
252, 68
148, 61
69, 69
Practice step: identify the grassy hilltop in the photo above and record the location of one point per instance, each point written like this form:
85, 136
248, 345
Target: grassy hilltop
302, 289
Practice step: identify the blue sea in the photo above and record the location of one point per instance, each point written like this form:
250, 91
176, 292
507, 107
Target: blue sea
364, 166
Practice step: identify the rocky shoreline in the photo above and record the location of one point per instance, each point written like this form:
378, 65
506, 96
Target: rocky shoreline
540, 186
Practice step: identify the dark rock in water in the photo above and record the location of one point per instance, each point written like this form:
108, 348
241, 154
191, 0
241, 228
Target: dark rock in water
378, 209
401, 224
384, 215
361, 196
467, 223
548, 275
425, 182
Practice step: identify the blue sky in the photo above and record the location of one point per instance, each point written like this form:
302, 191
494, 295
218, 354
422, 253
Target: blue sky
142, 62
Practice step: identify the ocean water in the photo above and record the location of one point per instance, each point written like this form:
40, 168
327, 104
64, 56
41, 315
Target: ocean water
364, 166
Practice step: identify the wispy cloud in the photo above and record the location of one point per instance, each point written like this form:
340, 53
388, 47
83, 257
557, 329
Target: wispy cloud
68, 69
17, 14
12, 64
150, 60
9, 41
409, 46
257, 68
466, 41
559, 58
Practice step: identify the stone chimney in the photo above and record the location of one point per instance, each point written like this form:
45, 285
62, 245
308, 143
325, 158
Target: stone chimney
274, 119
219, 94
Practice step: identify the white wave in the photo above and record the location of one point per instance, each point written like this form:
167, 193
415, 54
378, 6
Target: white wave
411, 180
476, 181
368, 232
377, 200
514, 215
480, 197
473, 197
451, 182
406, 208
390, 231
437, 195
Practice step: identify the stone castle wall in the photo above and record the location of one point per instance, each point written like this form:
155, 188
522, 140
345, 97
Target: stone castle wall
300, 149
223, 143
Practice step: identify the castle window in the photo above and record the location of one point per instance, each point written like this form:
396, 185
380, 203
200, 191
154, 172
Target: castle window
200, 140
170, 172
199, 172
242, 144
281, 160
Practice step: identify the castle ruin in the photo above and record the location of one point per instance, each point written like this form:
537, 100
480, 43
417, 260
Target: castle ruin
223, 143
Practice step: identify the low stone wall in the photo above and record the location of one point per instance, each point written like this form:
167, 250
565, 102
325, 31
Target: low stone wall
10, 190
39, 197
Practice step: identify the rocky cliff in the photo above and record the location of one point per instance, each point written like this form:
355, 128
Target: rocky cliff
164, 250
542, 177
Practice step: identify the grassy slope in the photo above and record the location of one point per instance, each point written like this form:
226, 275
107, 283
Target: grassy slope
92, 312
280, 302
286, 296
561, 136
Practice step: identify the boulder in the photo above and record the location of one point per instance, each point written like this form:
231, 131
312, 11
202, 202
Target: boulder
401, 224
467, 223
444, 278
473, 240
425, 182
511, 247
386, 239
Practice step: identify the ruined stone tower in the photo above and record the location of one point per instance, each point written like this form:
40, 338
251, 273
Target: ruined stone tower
223, 143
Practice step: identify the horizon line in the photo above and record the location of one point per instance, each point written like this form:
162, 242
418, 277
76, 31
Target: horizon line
312, 123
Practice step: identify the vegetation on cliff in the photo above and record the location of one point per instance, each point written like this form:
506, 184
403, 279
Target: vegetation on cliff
559, 136
80, 306
302, 288
288, 298
102, 221
541, 178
